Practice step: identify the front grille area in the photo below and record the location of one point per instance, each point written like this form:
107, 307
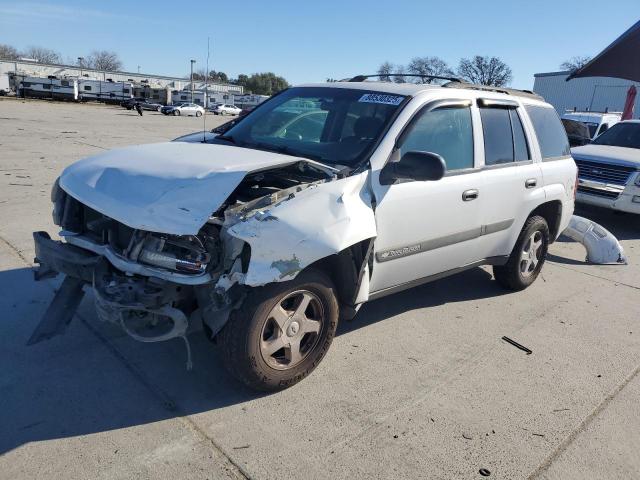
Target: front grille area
603, 172
597, 192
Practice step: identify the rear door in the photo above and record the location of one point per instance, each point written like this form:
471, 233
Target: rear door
512, 176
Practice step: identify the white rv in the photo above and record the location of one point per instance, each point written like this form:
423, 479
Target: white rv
105, 91
4, 84
51, 87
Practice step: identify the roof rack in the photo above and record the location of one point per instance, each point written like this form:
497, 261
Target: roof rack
487, 88
362, 78
452, 82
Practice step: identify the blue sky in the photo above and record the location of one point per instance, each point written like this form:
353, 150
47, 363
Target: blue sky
308, 41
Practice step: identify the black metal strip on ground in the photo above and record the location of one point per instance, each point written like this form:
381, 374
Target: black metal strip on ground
517, 345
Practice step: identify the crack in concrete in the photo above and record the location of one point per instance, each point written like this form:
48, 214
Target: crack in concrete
594, 276
15, 251
582, 426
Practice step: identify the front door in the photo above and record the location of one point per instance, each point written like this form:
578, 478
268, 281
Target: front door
425, 228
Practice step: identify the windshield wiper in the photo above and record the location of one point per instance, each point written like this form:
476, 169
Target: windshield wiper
284, 150
228, 138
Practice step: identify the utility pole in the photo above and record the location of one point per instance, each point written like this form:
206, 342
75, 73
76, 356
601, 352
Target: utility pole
80, 63
192, 62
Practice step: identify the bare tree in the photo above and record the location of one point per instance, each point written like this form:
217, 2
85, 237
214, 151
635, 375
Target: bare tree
8, 52
429, 66
485, 71
384, 71
104, 60
397, 71
42, 55
574, 63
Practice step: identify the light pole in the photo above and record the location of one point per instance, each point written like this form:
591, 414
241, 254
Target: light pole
192, 62
138, 68
80, 63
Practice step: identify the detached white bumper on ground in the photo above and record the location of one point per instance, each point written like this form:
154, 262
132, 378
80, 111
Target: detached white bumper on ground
602, 246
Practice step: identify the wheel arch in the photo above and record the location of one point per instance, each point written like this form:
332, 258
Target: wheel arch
347, 270
551, 211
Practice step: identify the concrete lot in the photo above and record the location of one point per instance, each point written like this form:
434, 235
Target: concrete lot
419, 385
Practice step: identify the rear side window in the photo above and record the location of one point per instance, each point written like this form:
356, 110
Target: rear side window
447, 132
549, 130
504, 138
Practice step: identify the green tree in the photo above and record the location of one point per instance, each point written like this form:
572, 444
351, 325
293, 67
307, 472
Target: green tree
266, 83
218, 77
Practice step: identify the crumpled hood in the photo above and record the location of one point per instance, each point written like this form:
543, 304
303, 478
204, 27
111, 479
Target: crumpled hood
629, 157
168, 187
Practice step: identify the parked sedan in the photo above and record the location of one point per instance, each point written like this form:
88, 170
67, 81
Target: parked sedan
227, 110
168, 109
189, 109
143, 102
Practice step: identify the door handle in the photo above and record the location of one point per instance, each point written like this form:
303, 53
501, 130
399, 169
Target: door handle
530, 183
469, 195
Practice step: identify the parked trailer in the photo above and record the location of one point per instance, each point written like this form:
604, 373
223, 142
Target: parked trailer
104, 90
153, 93
201, 98
51, 87
4, 84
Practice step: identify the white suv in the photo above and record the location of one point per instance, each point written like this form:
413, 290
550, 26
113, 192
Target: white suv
325, 197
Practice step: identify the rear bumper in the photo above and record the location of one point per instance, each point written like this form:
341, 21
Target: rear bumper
56, 257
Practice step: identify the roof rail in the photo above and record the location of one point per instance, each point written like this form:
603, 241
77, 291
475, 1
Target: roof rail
487, 88
362, 78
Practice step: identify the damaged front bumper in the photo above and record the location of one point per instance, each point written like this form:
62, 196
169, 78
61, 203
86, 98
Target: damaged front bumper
149, 305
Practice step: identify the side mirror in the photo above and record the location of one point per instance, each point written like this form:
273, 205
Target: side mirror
417, 166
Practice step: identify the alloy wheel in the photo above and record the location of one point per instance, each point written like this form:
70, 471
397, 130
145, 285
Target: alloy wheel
292, 330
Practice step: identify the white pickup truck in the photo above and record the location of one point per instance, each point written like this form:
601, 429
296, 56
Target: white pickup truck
324, 197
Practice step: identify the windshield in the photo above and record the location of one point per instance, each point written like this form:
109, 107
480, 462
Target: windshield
593, 128
331, 125
621, 135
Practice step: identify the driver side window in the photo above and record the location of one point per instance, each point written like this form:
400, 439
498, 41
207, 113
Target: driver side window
445, 131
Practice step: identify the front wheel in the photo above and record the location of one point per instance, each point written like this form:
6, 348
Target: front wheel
176, 112
159, 109
198, 114
527, 257
281, 332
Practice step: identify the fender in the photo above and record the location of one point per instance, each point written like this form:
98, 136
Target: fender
317, 222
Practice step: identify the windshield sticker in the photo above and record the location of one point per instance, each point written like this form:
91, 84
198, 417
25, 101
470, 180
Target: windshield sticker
381, 98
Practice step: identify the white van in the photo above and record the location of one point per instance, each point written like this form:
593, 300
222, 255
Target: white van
596, 122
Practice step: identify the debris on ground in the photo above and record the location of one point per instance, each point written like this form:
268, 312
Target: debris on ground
517, 345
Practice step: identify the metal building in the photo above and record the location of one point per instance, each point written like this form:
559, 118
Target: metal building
23, 68
595, 94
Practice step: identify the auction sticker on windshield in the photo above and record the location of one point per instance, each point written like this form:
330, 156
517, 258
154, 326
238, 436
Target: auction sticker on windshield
381, 98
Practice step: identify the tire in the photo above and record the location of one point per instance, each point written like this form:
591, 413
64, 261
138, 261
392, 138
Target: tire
523, 267
176, 113
253, 332
198, 114
159, 109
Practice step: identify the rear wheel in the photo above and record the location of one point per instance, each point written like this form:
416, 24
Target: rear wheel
176, 112
198, 114
159, 109
527, 258
281, 332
